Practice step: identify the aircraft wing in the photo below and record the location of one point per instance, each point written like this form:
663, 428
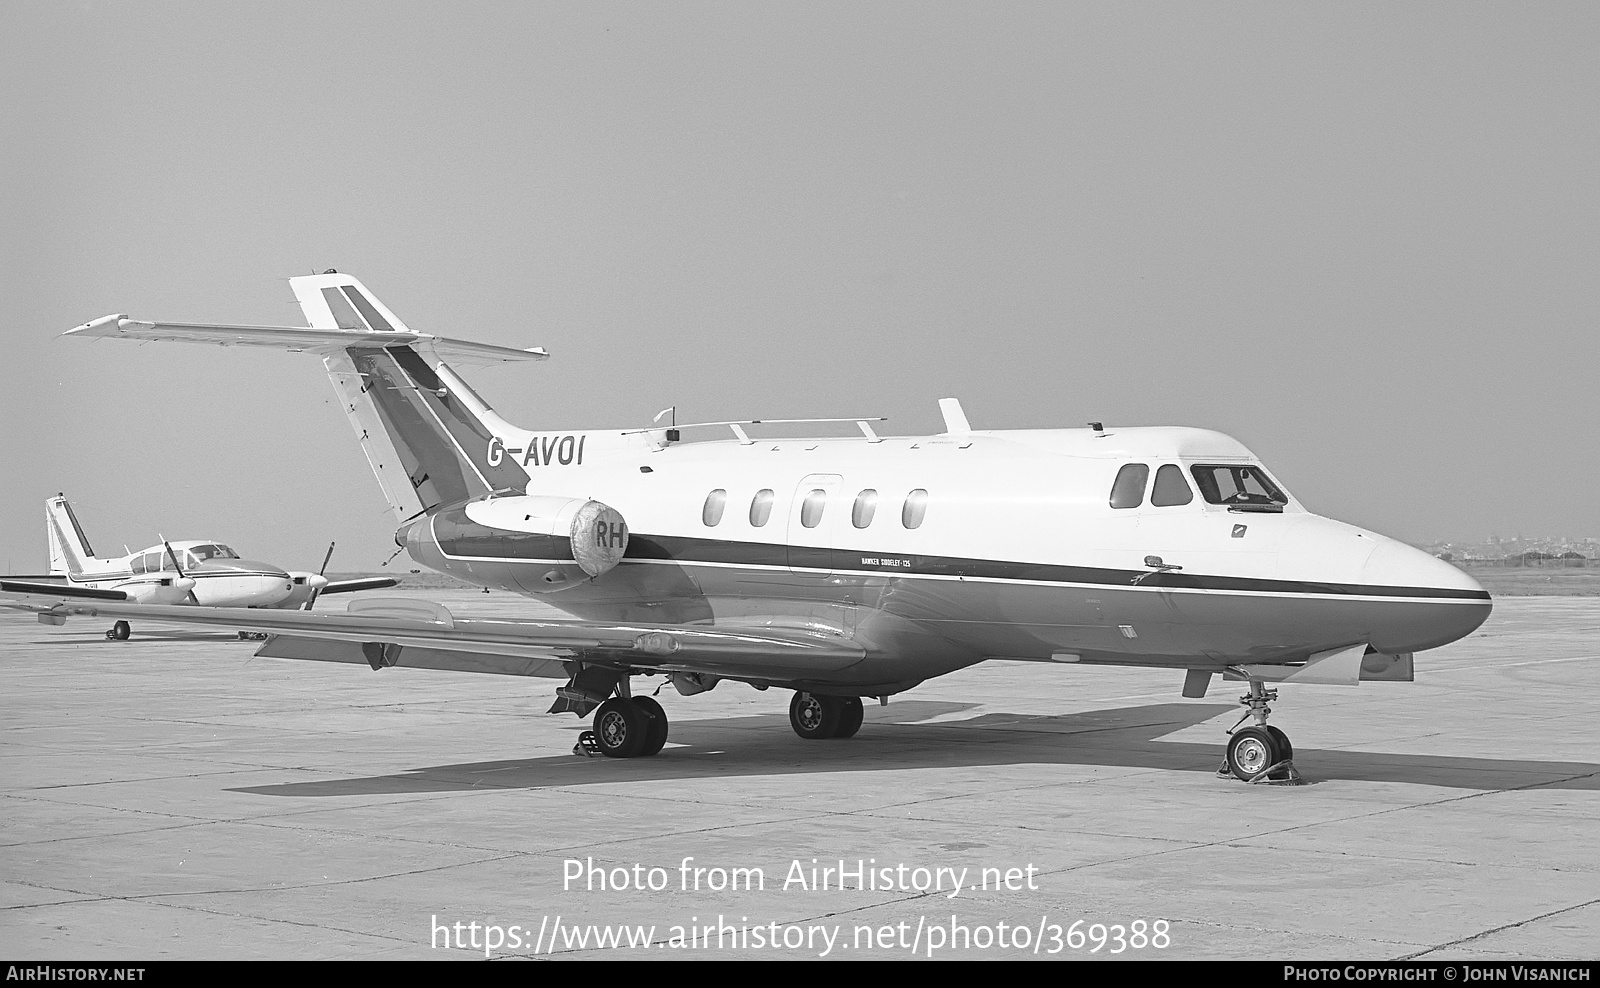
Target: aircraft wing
367, 583
400, 632
53, 590
294, 338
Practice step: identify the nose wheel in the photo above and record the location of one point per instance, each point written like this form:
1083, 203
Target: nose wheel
120, 632
1259, 753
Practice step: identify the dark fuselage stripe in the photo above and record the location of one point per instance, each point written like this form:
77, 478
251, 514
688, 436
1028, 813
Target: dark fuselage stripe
768, 555
166, 574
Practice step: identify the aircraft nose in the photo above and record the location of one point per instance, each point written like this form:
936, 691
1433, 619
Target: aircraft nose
1444, 604
1395, 564
248, 583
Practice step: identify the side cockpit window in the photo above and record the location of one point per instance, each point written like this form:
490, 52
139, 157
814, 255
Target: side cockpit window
1170, 488
1128, 490
1241, 488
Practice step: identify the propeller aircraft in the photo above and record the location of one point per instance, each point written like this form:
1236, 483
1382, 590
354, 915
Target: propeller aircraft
184, 571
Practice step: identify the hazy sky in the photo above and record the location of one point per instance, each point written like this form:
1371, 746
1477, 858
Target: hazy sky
1364, 239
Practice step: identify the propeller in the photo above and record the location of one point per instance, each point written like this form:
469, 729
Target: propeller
320, 581
181, 574
320, 584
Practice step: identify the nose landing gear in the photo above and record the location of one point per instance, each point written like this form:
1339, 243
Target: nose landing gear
1259, 753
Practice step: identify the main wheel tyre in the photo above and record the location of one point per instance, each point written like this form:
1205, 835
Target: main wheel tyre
656, 734
121, 632
1285, 751
814, 716
850, 715
620, 728
1251, 752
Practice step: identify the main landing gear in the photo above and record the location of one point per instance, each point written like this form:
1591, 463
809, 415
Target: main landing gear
636, 726
1259, 753
815, 716
120, 632
625, 727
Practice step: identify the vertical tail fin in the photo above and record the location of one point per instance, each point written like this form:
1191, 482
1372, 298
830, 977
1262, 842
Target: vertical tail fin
70, 552
430, 439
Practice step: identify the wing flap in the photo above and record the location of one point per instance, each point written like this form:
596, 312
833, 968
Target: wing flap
325, 650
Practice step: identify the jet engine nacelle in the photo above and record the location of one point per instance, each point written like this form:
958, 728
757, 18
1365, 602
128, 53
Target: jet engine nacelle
538, 543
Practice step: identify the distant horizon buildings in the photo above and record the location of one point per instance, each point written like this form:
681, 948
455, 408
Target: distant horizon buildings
1495, 548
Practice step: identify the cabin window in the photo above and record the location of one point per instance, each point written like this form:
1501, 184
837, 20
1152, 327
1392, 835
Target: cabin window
915, 508
866, 506
711, 513
1128, 489
811, 508
1170, 488
760, 508
137, 565
205, 552
1241, 488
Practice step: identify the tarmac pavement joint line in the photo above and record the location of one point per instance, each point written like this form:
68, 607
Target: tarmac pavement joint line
1497, 929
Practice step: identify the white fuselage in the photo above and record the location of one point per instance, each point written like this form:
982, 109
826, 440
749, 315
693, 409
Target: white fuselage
1009, 548
151, 577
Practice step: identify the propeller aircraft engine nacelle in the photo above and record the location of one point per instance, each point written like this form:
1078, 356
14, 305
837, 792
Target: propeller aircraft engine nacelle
163, 590
531, 543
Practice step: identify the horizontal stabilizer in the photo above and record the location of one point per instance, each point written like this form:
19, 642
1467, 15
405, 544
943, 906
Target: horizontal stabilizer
325, 341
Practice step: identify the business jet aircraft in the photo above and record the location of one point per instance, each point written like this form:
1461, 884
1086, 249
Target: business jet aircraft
838, 568
187, 571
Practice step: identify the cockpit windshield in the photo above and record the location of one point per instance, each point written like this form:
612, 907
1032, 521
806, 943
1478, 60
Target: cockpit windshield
1241, 488
205, 552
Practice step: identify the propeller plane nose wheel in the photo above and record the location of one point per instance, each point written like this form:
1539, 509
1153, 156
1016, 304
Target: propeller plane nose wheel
120, 632
1259, 753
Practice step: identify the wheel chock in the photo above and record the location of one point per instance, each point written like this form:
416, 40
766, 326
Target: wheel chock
587, 746
1291, 775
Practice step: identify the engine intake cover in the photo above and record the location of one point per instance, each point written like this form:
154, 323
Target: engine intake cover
531, 543
599, 537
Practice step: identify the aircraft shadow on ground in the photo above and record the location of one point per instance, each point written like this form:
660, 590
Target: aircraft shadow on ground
1128, 738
